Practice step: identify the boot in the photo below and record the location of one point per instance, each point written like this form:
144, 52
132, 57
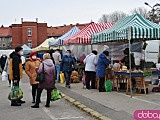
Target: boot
20, 101
35, 106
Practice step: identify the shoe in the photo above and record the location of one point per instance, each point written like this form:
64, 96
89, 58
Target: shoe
47, 106
35, 106
68, 86
20, 101
15, 104
102, 90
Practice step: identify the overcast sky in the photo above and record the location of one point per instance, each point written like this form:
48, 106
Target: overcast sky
60, 12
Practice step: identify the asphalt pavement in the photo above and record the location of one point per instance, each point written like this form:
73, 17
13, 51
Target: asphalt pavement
59, 110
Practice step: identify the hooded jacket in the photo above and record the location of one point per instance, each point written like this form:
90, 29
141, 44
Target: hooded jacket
49, 69
30, 69
103, 63
15, 66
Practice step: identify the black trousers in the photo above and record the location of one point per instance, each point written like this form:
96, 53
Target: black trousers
34, 90
90, 76
39, 91
101, 84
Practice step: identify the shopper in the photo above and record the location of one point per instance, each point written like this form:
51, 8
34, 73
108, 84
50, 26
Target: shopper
57, 59
49, 82
15, 71
103, 63
31, 63
66, 66
90, 69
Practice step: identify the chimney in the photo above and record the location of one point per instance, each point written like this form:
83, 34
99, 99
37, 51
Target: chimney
21, 20
37, 20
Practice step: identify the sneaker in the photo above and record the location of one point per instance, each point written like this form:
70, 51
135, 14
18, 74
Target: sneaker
15, 104
68, 86
35, 106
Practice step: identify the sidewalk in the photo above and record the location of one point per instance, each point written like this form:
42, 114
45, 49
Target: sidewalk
114, 105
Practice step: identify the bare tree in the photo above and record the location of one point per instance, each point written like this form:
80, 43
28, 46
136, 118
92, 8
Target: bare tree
113, 17
141, 11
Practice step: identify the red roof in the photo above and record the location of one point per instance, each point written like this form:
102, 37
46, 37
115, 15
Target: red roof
61, 30
84, 35
5, 31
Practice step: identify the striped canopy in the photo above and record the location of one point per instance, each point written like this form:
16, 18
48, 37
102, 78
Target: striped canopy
133, 27
59, 41
84, 35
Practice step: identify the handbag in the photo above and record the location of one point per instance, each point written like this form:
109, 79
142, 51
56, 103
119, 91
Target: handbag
55, 95
16, 93
62, 78
41, 77
4, 76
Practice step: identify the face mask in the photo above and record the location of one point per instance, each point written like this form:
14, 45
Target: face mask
4, 56
68, 54
34, 57
21, 53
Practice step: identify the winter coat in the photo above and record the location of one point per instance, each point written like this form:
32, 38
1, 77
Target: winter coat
30, 69
125, 60
90, 62
15, 66
103, 63
3, 61
49, 69
66, 63
57, 57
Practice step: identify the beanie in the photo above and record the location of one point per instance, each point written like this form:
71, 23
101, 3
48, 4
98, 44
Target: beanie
18, 48
33, 53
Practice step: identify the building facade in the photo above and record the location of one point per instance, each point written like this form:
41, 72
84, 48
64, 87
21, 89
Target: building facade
5, 37
29, 33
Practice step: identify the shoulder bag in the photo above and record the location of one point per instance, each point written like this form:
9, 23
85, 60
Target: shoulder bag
41, 77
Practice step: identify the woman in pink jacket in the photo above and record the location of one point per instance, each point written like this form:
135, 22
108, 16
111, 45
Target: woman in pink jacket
49, 82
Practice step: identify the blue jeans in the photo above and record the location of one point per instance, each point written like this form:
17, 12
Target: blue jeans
67, 76
57, 71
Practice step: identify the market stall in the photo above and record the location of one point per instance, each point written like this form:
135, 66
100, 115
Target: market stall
59, 41
129, 29
80, 43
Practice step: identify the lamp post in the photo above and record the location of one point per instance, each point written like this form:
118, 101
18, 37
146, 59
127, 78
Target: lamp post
154, 13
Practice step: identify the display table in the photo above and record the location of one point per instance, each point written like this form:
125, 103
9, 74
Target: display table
139, 76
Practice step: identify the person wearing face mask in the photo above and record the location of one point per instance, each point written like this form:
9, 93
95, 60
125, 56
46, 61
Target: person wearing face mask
31, 64
15, 71
66, 66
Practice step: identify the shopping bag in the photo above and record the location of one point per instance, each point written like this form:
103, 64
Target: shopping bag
108, 85
16, 93
55, 95
62, 78
4, 76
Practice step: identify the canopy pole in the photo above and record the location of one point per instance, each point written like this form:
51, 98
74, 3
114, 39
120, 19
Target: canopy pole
130, 78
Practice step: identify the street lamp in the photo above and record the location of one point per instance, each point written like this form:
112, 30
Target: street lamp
154, 13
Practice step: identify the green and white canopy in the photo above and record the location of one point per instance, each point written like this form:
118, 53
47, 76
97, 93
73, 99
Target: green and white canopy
133, 27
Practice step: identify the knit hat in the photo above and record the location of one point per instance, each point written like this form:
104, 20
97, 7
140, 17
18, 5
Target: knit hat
18, 48
33, 53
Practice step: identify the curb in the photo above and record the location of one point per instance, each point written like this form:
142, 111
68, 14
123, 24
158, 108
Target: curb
90, 111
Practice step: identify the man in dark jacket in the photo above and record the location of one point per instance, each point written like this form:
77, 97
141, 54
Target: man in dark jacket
15, 71
103, 63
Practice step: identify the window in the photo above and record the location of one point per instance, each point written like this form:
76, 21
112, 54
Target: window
29, 32
3, 45
30, 43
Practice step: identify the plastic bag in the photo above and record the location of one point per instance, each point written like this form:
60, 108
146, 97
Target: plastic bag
55, 95
16, 93
108, 85
62, 78
4, 76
